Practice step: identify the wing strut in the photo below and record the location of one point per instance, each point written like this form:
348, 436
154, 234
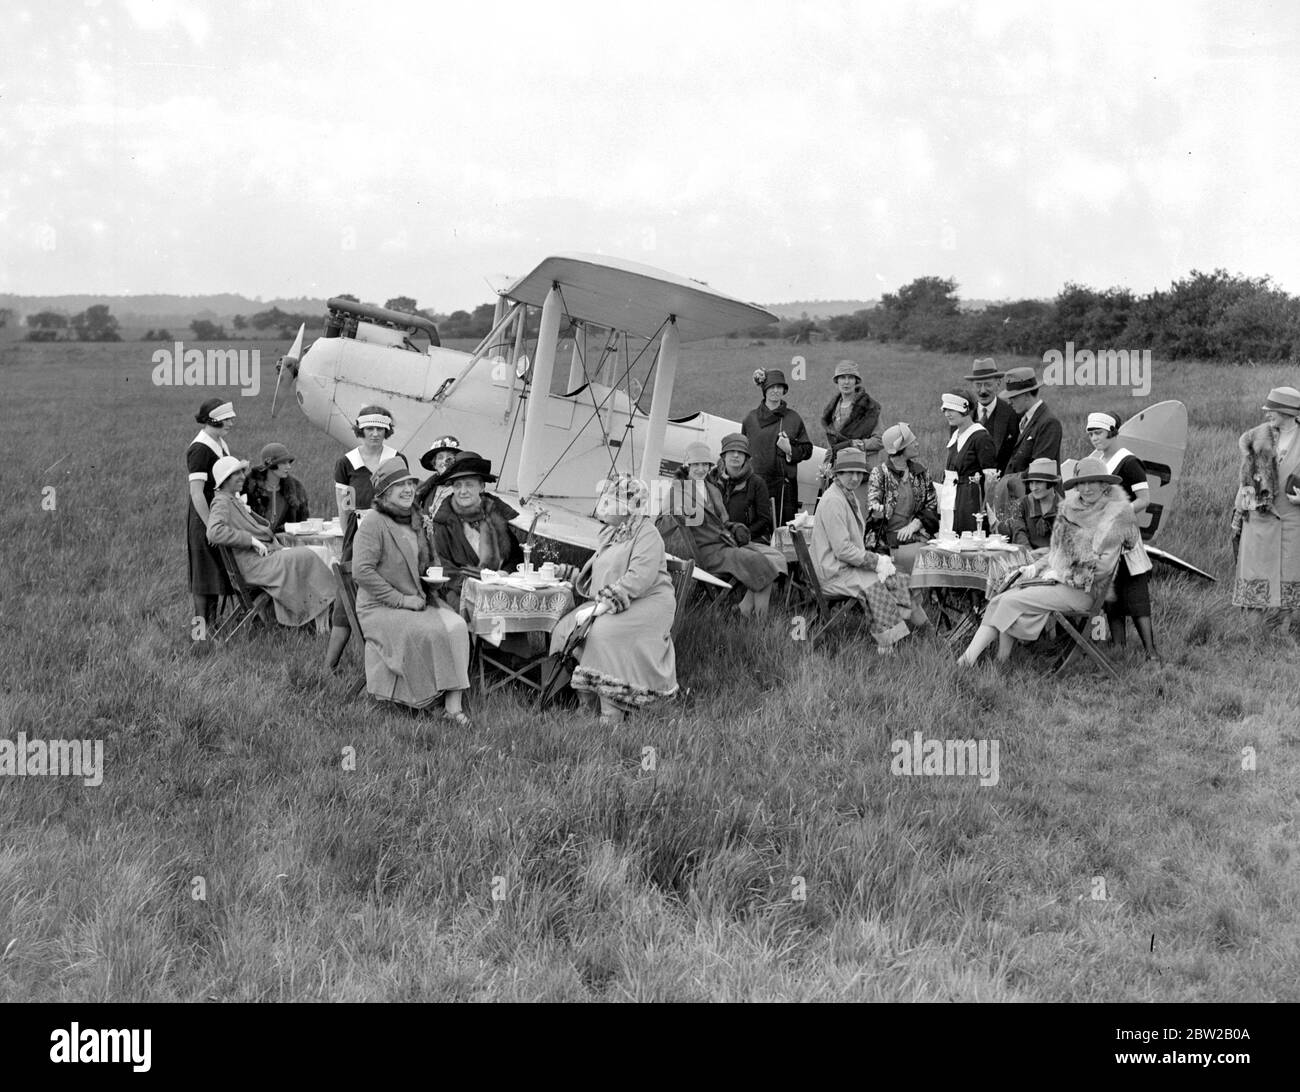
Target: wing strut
659, 401
531, 471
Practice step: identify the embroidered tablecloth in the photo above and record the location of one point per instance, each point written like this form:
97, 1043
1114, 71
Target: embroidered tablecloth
978, 570
493, 610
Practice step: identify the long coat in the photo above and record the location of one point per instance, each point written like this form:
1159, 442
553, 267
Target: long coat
628, 657
713, 547
862, 424
300, 583
747, 501
292, 506
1268, 555
762, 427
412, 655
497, 543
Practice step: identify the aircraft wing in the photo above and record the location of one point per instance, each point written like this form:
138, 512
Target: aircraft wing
629, 296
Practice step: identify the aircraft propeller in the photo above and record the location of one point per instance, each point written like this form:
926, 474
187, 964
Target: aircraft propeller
287, 363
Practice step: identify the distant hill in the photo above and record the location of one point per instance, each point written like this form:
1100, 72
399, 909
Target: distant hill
160, 310
819, 309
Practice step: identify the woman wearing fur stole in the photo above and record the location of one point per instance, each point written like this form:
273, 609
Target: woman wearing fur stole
1266, 520
1094, 525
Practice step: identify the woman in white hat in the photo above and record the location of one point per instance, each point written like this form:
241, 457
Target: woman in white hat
627, 661
300, 583
353, 494
1094, 525
1266, 517
208, 581
715, 540
1132, 578
846, 567
416, 648
972, 458
901, 499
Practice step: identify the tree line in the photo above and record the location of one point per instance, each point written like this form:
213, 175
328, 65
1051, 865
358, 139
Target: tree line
1215, 316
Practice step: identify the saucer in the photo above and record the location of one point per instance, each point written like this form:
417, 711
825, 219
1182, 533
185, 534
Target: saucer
436, 581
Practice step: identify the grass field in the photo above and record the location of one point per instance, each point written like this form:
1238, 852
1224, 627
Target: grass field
771, 775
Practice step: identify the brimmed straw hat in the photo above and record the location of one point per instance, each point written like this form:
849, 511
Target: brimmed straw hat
1283, 400
1042, 470
1091, 470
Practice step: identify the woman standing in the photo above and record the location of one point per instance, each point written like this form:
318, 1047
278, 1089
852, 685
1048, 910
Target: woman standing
1133, 597
273, 493
715, 540
1267, 513
208, 581
852, 416
628, 660
298, 581
472, 530
352, 496
1094, 526
971, 456
901, 499
846, 567
778, 442
416, 648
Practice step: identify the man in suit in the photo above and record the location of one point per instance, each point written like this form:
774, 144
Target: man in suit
992, 412
1040, 432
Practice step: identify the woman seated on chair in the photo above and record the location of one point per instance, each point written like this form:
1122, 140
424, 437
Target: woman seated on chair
901, 498
1094, 525
743, 492
472, 530
627, 661
718, 544
416, 648
275, 494
846, 568
430, 495
299, 582
1034, 514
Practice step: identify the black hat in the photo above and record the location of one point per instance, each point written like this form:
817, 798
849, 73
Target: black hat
468, 464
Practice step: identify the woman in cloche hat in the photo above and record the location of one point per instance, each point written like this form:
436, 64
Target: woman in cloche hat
745, 494
472, 530
901, 499
299, 582
275, 494
845, 567
416, 647
778, 442
1094, 525
1266, 517
852, 416
1034, 514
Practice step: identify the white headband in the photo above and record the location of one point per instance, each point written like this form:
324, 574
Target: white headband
956, 402
1100, 420
380, 419
222, 413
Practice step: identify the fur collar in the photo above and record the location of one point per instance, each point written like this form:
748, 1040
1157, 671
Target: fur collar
1259, 466
1082, 533
862, 405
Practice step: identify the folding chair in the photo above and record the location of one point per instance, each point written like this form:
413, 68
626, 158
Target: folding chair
347, 587
829, 607
249, 602
682, 574
489, 656
1096, 615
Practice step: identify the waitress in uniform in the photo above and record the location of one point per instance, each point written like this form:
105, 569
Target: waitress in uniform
208, 581
353, 492
971, 456
1133, 599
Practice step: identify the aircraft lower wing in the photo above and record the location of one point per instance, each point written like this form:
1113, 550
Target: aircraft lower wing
569, 527
1178, 563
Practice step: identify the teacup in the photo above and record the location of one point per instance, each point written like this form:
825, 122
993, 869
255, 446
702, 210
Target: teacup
548, 570
434, 572
315, 525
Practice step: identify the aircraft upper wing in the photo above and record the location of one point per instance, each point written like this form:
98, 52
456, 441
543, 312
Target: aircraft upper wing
637, 298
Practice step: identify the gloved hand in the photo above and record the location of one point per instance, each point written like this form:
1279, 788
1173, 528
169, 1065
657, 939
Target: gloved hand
885, 567
740, 533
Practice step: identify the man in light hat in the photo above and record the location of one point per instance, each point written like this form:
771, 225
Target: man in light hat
1266, 519
778, 442
994, 413
1040, 433
845, 567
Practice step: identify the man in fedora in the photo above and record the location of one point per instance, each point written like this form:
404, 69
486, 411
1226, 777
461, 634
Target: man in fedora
993, 412
1040, 432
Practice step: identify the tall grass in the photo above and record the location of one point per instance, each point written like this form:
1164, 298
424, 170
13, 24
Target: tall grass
617, 881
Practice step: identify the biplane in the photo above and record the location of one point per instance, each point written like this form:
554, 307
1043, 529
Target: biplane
554, 429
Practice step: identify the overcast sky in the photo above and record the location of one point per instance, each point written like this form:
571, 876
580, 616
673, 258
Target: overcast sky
777, 150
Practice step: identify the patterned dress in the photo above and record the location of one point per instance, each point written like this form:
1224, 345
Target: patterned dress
1268, 559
